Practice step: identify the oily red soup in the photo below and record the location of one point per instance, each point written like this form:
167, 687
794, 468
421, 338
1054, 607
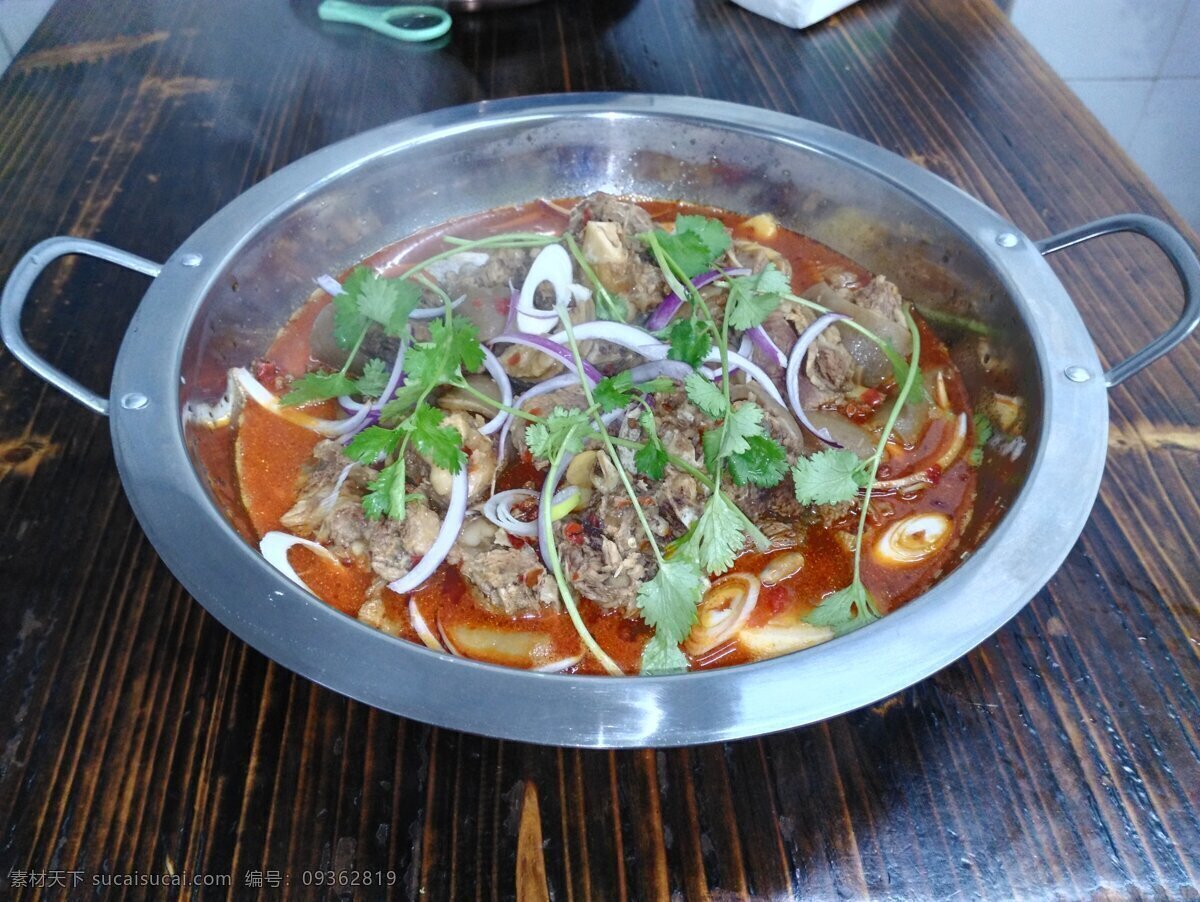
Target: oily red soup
604, 435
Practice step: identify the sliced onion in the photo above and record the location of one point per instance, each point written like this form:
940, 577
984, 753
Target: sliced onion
263, 397
560, 665
671, 369
435, 312
497, 372
543, 343
792, 376
329, 285
746, 347
498, 510
672, 302
553, 265
945, 458
324, 508
758, 335
421, 625
456, 513
885, 327
637, 340
753, 370
275, 546
717, 622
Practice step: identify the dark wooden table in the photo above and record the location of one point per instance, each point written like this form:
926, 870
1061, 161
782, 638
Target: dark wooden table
1061, 759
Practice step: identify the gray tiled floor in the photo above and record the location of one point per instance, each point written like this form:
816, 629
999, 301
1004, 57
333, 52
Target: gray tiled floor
1135, 63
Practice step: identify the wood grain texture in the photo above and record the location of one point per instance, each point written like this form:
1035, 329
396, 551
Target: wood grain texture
1060, 759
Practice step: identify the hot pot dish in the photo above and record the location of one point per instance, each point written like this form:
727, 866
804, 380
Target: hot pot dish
567, 437
609, 420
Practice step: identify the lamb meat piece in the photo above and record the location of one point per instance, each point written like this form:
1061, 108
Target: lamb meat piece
607, 229
881, 296
324, 486
504, 266
335, 518
603, 549
756, 257
510, 581
600, 207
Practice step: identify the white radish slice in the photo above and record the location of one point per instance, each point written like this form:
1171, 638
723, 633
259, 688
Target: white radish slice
774, 639
527, 649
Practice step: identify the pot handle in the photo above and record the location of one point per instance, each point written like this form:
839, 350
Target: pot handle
16, 292
1182, 257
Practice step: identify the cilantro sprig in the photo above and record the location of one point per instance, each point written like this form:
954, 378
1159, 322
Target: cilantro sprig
367, 299
853, 607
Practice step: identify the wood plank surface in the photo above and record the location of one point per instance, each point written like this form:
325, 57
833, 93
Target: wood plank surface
1060, 759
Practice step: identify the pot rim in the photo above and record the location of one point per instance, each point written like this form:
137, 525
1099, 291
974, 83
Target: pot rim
234, 583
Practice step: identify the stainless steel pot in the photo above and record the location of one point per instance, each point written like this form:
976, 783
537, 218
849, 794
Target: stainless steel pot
223, 294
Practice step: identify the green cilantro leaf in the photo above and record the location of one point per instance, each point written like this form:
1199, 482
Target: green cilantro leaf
829, 477
379, 500
764, 463
374, 378
984, 430
372, 443
660, 656
689, 342
743, 422
441, 445
654, 386
348, 321
706, 395
377, 298
845, 610
753, 298
449, 350
402, 402
718, 536
668, 600
564, 430
614, 392
651, 458
695, 244
318, 387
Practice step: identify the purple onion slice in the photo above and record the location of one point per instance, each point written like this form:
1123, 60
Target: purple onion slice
792, 378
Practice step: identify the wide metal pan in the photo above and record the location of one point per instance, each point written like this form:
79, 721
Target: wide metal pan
222, 295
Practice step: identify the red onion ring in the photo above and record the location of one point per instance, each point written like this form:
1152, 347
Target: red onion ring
758, 335
792, 377
671, 303
496, 371
456, 514
551, 347
671, 369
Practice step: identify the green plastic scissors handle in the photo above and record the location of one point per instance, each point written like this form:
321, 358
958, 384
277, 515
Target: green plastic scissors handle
379, 18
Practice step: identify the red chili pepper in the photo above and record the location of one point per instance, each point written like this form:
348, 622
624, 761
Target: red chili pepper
573, 532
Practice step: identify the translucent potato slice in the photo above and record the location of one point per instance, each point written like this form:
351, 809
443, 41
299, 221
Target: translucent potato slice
775, 639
